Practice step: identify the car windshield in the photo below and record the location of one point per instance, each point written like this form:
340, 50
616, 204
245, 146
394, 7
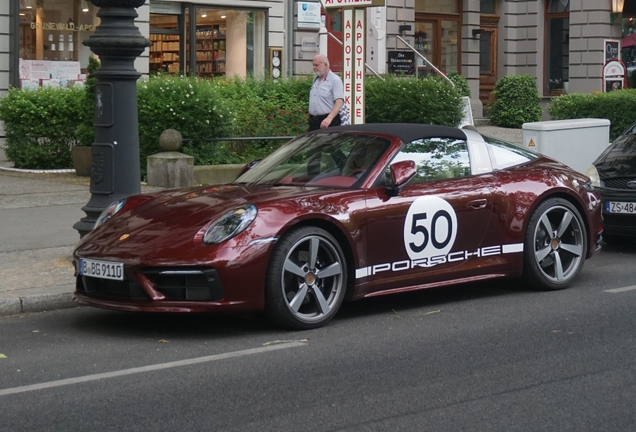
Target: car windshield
331, 159
626, 142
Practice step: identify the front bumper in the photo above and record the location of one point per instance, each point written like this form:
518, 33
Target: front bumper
616, 223
178, 284
174, 290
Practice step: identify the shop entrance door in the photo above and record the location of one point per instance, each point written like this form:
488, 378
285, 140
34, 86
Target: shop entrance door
487, 63
333, 23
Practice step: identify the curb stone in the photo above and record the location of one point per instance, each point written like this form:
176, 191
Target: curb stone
44, 302
36, 303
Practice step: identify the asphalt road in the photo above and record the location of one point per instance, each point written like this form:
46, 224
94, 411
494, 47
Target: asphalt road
481, 357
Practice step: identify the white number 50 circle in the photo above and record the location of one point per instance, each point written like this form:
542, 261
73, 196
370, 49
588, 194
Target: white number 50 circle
430, 228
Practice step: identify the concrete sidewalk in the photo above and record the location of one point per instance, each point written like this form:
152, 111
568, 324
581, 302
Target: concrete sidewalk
37, 213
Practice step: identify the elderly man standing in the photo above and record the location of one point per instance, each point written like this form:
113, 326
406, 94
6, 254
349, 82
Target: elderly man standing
325, 97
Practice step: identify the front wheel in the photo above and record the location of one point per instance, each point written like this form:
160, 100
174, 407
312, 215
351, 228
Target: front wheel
555, 245
306, 280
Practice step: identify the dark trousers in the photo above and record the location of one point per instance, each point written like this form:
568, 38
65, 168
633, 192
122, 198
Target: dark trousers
314, 121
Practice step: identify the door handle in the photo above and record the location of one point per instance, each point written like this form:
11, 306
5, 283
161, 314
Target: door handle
477, 204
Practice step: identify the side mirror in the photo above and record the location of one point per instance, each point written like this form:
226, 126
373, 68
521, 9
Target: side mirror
248, 166
401, 173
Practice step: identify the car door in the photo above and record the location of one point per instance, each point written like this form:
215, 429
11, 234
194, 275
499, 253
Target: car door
433, 229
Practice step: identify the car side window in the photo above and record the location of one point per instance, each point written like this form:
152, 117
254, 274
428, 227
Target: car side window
436, 158
504, 155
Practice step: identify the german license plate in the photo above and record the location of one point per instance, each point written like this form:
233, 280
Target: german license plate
101, 269
620, 207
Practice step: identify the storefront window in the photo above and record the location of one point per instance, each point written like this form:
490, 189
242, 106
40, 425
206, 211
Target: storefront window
559, 6
628, 48
437, 6
165, 35
487, 7
225, 41
557, 47
438, 42
211, 43
450, 47
50, 38
425, 44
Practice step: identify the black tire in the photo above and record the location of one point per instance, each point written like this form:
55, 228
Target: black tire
306, 279
555, 246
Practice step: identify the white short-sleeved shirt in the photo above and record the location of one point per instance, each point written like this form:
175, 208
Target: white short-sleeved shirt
323, 94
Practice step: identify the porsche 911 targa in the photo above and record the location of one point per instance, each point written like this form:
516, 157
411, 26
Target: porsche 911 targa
344, 213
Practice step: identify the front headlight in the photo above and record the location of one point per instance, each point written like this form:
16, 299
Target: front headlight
109, 212
230, 224
592, 173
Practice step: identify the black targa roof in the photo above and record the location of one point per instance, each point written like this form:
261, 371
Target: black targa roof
406, 132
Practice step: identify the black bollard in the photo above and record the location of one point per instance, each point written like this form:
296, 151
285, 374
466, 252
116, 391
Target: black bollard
115, 171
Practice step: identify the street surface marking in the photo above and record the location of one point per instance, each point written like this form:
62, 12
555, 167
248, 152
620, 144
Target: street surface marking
150, 368
618, 290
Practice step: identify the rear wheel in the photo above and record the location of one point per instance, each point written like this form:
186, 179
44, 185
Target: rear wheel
306, 280
555, 245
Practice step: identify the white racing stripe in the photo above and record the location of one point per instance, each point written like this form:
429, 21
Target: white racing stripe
150, 368
619, 290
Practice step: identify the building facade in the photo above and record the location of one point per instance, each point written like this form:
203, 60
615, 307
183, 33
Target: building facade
562, 43
41, 40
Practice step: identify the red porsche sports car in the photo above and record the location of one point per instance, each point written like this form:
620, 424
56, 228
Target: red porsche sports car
344, 213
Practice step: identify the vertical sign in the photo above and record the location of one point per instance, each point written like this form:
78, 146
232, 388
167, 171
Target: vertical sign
357, 116
612, 49
347, 59
354, 52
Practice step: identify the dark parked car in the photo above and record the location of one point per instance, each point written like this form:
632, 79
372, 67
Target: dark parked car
344, 213
614, 175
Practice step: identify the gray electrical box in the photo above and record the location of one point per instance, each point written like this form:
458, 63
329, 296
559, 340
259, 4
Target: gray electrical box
576, 143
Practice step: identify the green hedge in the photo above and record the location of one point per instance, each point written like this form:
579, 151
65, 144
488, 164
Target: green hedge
264, 108
461, 83
188, 104
619, 107
516, 101
412, 100
42, 125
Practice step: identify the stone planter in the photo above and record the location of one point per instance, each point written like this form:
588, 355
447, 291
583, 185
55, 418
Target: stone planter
82, 156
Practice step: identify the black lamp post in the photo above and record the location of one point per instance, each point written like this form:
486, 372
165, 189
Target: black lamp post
115, 171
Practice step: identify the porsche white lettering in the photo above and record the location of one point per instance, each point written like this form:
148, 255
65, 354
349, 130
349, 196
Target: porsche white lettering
400, 265
380, 268
456, 256
427, 262
477, 253
440, 259
491, 250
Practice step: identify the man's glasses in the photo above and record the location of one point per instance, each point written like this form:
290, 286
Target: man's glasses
317, 64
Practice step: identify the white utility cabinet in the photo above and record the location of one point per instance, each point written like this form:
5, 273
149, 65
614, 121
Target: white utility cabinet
576, 143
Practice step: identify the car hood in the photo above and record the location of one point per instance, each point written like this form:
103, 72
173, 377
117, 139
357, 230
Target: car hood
619, 159
171, 219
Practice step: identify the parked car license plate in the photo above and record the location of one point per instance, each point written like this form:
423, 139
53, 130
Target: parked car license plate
620, 207
101, 269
